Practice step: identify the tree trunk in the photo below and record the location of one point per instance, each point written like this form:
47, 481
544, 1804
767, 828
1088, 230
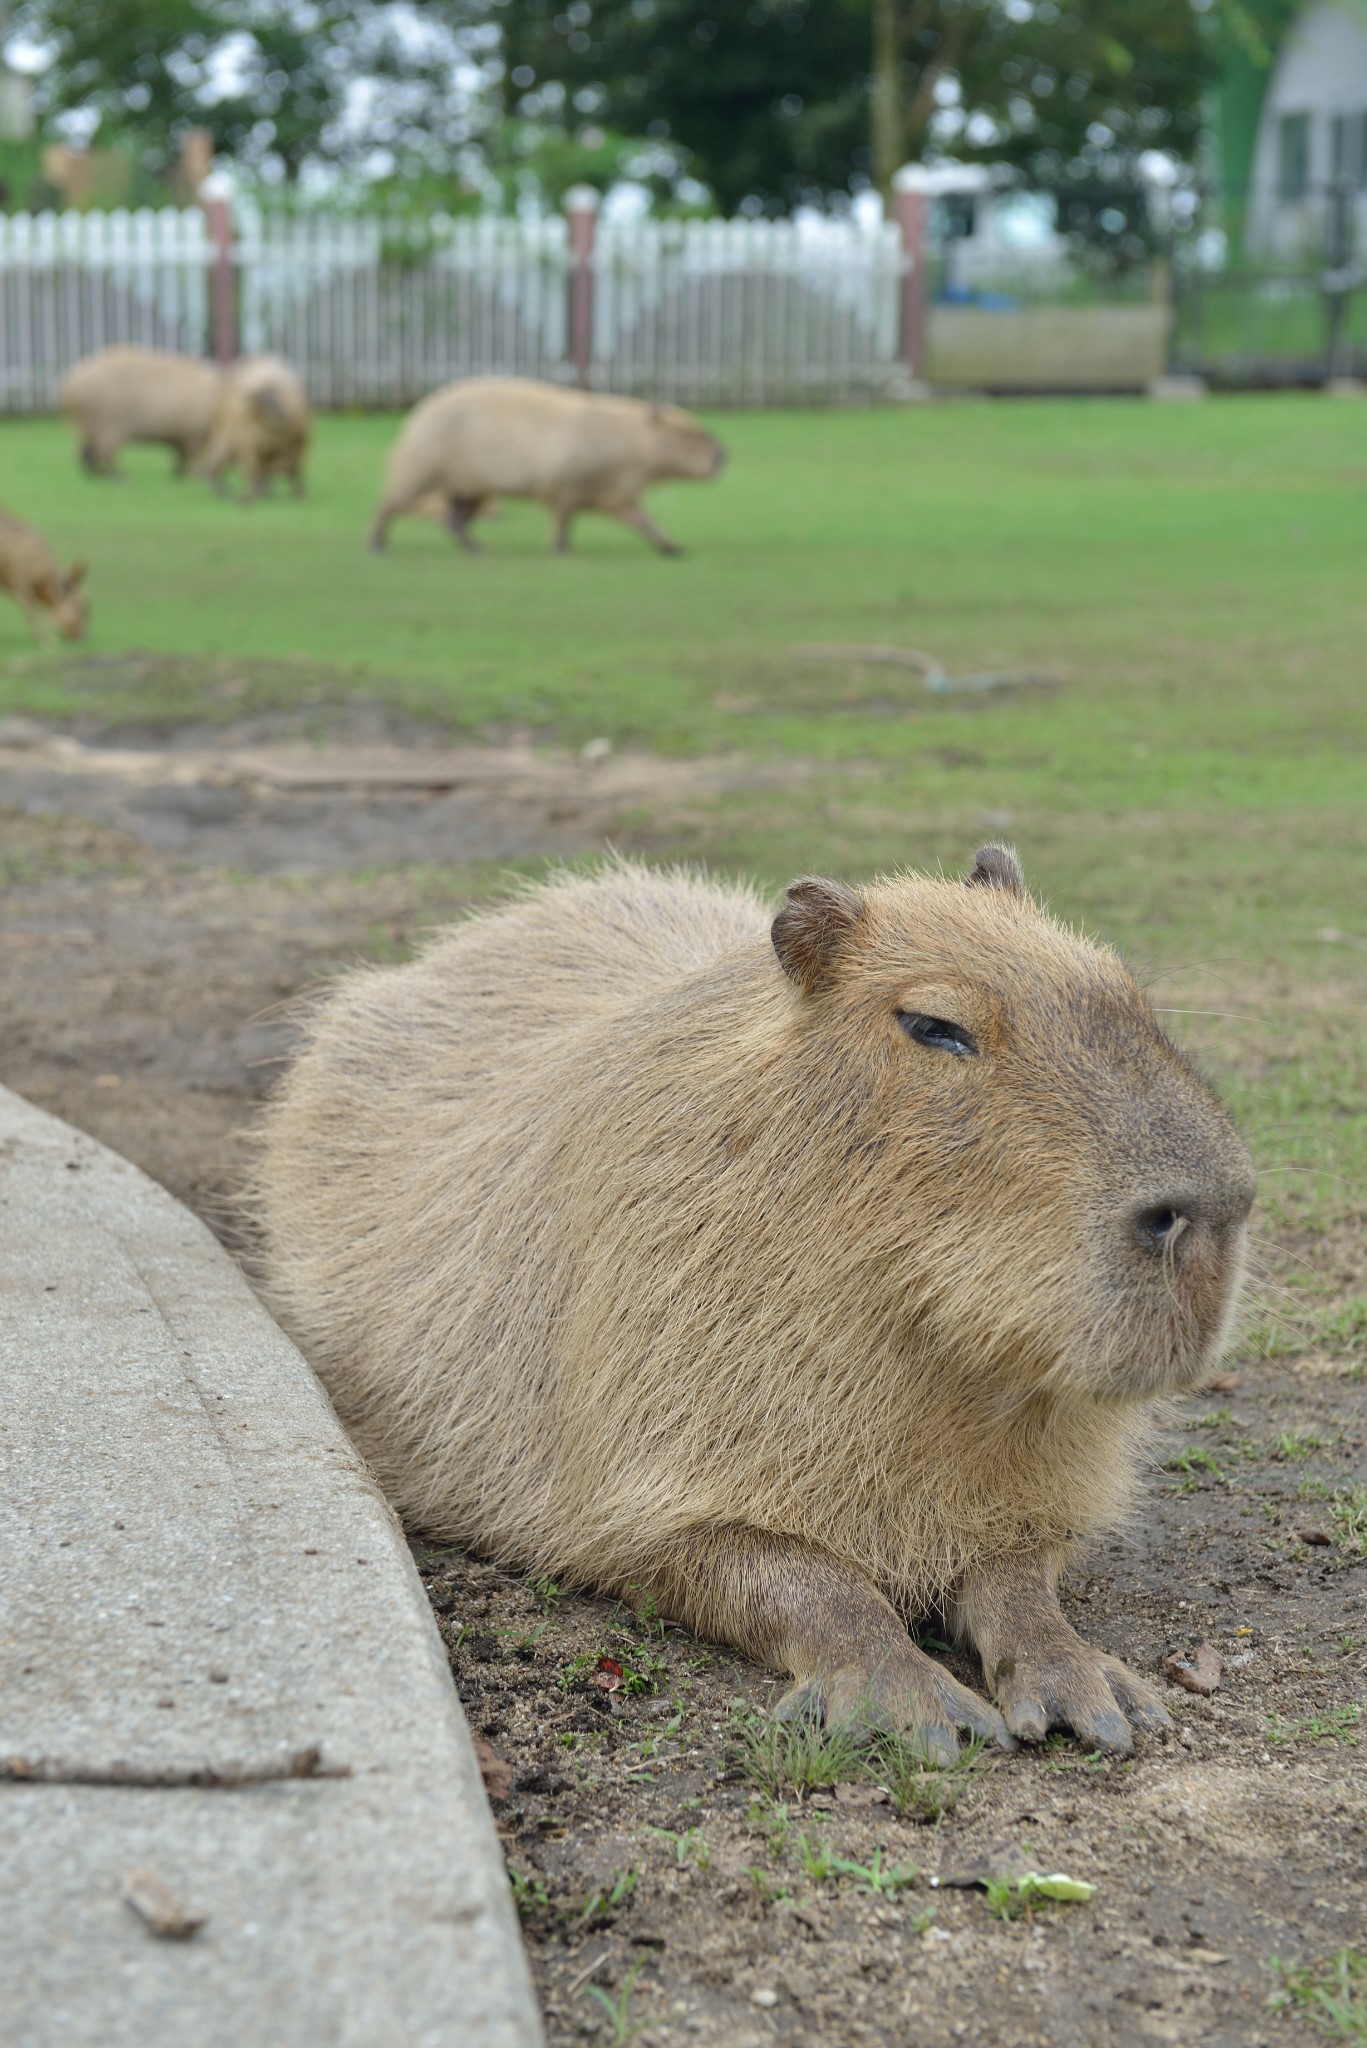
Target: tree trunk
886, 118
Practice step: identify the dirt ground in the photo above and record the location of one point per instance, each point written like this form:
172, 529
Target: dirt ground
683, 1878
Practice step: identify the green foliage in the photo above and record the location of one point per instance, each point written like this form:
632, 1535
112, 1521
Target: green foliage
771, 104
1335, 1724
624, 2028
529, 1893
1334, 1994
917, 1793
607, 1898
798, 1756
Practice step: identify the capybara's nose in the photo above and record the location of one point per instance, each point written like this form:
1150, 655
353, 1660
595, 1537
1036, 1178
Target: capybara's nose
1159, 1226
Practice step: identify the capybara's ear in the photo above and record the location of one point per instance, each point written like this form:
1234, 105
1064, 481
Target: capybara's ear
816, 920
75, 574
996, 867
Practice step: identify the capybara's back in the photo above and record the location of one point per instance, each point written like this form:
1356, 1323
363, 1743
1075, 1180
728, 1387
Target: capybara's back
140, 394
784, 1272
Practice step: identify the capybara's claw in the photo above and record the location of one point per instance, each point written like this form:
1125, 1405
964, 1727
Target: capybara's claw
926, 1710
1082, 1691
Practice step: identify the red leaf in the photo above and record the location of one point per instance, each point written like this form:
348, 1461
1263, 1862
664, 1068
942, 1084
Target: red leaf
497, 1776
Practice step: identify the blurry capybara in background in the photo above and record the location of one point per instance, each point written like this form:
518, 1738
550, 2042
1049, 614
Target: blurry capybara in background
29, 571
813, 1274
262, 426
140, 394
572, 451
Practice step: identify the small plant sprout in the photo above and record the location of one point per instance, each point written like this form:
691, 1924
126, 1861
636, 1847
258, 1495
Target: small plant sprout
1335, 1724
872, 1876
916, 1792
618, 2009
1191, 1458
798, 1756
1296, 1444
689, 1846
608, 1898
529, 1893
1335, 1994
547, 1592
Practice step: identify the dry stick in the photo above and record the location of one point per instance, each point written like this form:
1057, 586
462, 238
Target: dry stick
587, 1972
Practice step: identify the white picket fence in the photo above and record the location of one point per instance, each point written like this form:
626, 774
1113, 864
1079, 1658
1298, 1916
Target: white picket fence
73, 282
376, 313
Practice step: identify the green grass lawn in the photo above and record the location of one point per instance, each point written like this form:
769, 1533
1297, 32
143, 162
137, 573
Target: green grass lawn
1193, 578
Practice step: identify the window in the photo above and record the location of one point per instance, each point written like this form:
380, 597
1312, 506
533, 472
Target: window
1348, 150
1293, 156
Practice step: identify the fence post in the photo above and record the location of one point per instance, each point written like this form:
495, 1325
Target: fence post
1338, 283
218, 214
581, 214
911, 203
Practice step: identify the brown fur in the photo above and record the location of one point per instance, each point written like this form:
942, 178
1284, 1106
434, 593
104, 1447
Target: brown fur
571, 451
140, 394
638, 1249
30, 573
262, 426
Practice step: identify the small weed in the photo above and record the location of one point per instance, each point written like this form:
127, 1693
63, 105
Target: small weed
547, 1592
1335, 1994
624, 2028
873, 1877
529, 1894
578, 1667
1061, 1754
918, 1793
768, 1888
1296, 1444
923, 1920
797, 1756
1191, 1458
569, 1739
1218, 1418
1333, 1725
1345, 1328
1347, 1510
607, 1900
525, 1640
772, 1821
818, 1859
689, 1846
645, 1610
1004, 1901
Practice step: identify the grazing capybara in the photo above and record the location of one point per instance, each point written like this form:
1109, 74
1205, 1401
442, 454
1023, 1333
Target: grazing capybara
811, 1275
140, 394
572, 451
262, 426
29, 571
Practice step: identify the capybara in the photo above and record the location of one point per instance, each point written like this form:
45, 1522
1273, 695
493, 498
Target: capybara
809, 1275
573, 451
140, 394
262, 426
30, 573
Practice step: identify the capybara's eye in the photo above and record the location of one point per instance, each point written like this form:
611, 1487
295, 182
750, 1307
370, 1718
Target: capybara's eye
937, 1032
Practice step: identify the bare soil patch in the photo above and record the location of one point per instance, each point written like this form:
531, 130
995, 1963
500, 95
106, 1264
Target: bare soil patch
156, 919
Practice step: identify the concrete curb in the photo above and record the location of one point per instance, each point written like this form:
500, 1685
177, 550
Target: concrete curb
217, 1667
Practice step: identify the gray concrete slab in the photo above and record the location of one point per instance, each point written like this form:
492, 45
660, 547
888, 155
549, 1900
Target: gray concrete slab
216, 1665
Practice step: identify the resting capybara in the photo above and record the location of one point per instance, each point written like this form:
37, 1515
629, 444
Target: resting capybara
262, 426
30, 573
810, 1276
140, 394
573, 451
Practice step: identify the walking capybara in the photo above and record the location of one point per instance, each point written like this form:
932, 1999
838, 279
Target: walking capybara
572, 451
30, 573
811, 1276
262, 426
140, 394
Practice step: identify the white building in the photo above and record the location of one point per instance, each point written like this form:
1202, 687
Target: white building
1312, 131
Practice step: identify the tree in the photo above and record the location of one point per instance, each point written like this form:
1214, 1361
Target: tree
783, 100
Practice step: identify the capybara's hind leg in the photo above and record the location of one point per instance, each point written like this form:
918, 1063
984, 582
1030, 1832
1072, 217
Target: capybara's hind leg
800, 1609
379, 532
640, 521
459, 513
1041, 1673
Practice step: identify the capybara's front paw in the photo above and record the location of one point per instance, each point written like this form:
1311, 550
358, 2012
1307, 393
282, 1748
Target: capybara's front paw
1064, 1683
912, 1697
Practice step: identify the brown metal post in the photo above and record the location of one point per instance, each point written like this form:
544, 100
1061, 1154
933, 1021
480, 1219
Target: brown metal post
911, 219
218, 214
581, 214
